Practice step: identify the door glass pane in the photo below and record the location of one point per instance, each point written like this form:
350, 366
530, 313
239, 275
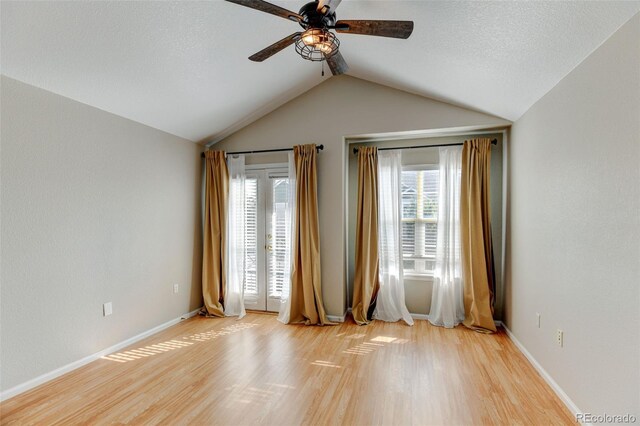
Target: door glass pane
278, 238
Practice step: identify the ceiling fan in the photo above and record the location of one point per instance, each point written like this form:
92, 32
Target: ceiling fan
317, 42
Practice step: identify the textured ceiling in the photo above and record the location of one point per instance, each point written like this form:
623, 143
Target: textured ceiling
182, 67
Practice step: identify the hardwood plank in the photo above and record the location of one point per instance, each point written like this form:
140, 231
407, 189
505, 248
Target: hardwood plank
258, 371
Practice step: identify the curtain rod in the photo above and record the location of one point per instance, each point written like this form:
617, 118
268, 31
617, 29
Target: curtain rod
261, 151
355, 149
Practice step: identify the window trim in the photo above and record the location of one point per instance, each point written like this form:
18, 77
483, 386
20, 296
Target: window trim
419, 167
267, 166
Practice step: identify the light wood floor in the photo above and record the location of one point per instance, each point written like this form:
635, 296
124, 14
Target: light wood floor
258, 371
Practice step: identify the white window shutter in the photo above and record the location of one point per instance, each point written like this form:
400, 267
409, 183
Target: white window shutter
251, 241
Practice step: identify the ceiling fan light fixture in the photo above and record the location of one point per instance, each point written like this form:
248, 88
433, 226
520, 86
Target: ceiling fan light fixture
311, 37
315, 44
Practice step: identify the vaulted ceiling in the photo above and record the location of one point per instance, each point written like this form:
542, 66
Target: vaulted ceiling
182, 67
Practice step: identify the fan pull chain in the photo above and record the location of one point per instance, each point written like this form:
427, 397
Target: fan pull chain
323, 68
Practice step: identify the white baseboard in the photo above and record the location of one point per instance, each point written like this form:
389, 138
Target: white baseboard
546, 376
342, 318
426, 318
420, 317
23, 387
337, 318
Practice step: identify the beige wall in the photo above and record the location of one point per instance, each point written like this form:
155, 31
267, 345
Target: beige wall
418, 289
344, 106
573, 247
95, 208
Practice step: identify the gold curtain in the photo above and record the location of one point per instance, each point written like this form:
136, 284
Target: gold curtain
306, 290
215, 225
475, 236
365, 282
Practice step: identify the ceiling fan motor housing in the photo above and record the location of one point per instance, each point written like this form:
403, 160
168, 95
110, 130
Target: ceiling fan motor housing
313, 18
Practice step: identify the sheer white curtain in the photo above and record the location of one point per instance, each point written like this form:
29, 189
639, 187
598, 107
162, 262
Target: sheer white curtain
234, 294
285, 301
447, 305
390, 304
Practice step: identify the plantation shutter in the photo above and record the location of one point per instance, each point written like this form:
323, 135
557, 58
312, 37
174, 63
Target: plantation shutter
430, 186
251, 241
278, 237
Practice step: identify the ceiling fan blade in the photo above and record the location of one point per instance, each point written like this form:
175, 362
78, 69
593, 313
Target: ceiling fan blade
268, 52
327, 6
269, 8
337, 64
395, 29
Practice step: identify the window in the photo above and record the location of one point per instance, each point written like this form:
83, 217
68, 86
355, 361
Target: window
419, 219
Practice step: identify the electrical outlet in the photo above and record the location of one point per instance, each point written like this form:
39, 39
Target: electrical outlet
538, 319
107, 309
176, 287
560, 337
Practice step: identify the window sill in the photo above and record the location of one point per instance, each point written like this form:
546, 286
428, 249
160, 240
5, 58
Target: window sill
419, 277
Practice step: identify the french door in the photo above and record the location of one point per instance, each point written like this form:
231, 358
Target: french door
267, 237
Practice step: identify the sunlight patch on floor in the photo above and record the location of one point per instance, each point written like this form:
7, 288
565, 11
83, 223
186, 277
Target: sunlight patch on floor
278, 385
321, 363
146, 351
251, 394
377, 342
356, 336
170, 345
363, 348
209, 335
383, 339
